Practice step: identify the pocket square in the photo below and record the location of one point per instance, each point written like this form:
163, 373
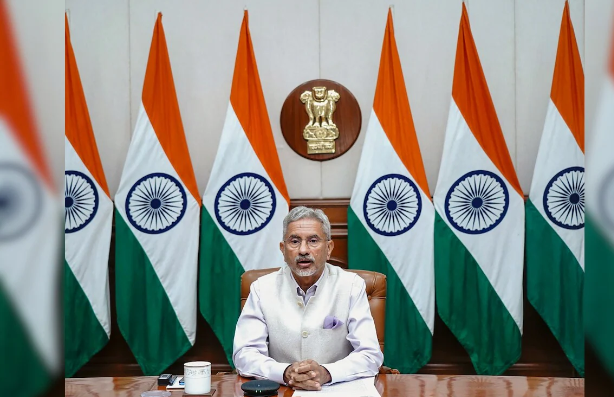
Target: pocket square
332, 322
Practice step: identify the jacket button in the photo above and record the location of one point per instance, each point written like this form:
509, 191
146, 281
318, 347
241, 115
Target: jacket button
305, 334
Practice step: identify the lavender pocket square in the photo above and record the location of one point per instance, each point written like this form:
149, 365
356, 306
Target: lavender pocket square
332, 322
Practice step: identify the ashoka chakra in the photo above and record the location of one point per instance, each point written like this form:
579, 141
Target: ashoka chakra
20, 200
245, 204
392, 205
156, 203
564, 198
80, 201
477, 202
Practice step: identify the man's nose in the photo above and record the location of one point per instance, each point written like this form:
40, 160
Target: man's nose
304, 247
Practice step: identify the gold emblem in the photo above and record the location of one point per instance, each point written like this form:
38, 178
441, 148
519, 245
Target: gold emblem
321, 132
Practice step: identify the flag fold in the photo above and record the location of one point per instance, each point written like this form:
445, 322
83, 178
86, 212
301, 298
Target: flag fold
391, 217
245, 200
29, 234
555, 208
88, 217
479, 225
157, 214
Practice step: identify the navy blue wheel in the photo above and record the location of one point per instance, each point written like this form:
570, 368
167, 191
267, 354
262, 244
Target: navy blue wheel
20, 200
245, 204
392, 205
80, 201
156, 203
564, 198
477, 202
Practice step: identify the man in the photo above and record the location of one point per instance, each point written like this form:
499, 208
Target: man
309, 323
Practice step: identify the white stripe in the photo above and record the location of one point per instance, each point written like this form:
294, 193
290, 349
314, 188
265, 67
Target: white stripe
235, 155
558, 150
410, 253
173, 254
29, 265
499, 252
87, 250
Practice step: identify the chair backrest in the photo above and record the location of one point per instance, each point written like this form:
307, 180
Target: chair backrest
375, 288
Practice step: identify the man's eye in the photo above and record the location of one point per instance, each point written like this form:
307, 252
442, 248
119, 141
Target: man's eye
314, 241
295, 241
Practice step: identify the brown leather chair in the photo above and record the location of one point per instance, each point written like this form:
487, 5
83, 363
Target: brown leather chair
376, 293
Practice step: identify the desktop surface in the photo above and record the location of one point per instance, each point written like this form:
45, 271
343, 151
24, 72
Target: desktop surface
388, 385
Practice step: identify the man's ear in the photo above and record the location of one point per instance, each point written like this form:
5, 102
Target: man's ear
330, 245
281, 247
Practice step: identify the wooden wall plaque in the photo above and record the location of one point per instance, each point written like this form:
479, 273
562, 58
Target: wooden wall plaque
310, 135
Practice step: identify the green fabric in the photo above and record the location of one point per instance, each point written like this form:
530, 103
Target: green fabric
19, 358
471, 308
555, 284
407, 338
84, 336
219, 286
599, 296
145, 315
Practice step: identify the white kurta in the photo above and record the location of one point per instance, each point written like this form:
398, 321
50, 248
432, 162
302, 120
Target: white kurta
276, 329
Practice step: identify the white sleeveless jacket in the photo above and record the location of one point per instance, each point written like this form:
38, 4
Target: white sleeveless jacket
296, 330
276, 329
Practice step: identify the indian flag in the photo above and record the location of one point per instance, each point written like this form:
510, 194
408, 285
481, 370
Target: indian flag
479, 222
88, 215
391, 217
555, 209
29, 235
157, 207
245, 201
599, 294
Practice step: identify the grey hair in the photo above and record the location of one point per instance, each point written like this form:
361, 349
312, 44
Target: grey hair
310, 213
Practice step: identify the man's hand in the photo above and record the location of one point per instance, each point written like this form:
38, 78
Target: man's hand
306, 375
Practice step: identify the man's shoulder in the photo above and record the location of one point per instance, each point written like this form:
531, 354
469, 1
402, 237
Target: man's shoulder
344, 275
271, 277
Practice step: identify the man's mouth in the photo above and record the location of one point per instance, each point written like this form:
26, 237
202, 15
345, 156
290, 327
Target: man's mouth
304, 262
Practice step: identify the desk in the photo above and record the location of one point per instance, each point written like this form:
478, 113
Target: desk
387, 385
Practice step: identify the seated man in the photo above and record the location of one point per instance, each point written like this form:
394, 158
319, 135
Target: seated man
309, 323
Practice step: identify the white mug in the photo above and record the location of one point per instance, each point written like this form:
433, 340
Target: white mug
197, 377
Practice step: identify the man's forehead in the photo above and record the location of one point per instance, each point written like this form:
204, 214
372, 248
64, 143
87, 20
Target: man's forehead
305, 226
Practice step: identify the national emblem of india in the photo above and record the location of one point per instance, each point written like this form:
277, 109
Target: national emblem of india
321, 131
306, 120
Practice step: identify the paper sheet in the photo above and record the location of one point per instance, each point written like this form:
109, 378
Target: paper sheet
364, 387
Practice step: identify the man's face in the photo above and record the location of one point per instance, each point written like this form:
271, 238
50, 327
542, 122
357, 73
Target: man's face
305, 248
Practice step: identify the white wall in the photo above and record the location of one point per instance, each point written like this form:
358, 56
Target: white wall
296, 41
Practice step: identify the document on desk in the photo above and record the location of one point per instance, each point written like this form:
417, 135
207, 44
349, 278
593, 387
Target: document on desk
364, 387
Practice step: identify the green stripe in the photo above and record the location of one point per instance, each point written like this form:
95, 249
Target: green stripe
19, 359
145, 315
599, 322
84, 336
408, 339
469, 305
219, 286
555, 284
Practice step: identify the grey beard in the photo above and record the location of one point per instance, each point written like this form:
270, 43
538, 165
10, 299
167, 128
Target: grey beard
304, 272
